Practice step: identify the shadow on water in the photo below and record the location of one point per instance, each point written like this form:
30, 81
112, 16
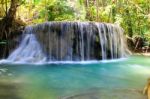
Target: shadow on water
9, 90
10, 84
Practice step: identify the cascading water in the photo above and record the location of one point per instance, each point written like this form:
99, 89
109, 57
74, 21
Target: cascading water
28, 51
70, 41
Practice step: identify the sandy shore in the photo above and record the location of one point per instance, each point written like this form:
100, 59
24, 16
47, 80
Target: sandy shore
144, 54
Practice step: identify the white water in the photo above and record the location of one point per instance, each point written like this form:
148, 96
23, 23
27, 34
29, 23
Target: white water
115, 40
28, 51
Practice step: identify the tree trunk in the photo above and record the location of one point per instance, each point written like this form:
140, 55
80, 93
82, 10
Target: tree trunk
129, 24
7, 21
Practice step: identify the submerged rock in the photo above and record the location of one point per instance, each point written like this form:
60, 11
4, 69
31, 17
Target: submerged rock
109, 94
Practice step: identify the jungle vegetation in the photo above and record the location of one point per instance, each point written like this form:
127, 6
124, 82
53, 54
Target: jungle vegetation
132, 15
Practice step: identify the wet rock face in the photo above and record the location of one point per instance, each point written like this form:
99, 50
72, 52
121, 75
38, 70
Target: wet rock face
7, 46
138, 45
79, 40
130, 43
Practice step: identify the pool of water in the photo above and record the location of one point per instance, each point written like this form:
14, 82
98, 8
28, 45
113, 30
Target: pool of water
120, 79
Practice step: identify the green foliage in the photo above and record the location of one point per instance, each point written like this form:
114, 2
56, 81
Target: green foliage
132, 15
59, 11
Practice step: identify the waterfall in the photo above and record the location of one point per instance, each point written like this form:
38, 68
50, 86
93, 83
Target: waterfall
28, 51
70, 41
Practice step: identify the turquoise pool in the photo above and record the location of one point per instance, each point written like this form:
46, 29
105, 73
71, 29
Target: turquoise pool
119, 79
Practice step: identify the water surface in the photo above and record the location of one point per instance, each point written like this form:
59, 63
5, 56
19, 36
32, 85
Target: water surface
120, 79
